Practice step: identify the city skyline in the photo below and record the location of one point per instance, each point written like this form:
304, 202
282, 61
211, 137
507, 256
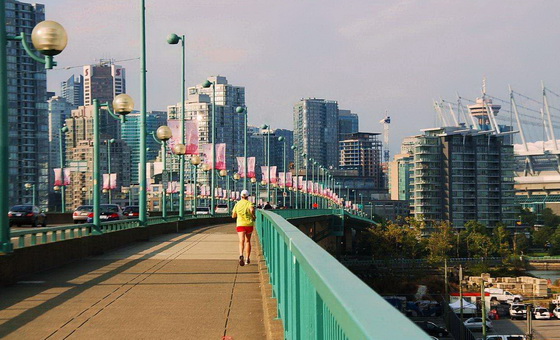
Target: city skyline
365, 57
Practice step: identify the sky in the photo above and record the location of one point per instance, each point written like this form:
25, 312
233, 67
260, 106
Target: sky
370, 56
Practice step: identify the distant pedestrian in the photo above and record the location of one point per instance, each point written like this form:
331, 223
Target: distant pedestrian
244, 211
267, 206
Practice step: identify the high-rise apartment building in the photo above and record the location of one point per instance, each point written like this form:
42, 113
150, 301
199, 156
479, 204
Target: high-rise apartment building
462, 175
228, 123
27, 109
256, 147
348, 123
103, 82
79, 157
59, 111
73, 90
401, 172
316, 131
362, 152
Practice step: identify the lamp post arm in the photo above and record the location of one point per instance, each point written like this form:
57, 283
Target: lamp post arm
47, 60
155, 138
105, 106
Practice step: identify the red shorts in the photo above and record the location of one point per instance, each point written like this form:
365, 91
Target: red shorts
247, 230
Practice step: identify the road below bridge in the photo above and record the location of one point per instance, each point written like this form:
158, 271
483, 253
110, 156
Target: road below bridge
176, 286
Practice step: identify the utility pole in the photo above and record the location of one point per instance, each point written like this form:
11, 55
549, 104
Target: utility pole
529, 323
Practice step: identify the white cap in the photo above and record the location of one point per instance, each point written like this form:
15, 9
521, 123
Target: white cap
244, 193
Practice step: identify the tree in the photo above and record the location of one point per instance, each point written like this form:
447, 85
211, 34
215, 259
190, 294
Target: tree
549, 218
555, 243
542, 236
520, 243
527, 217
502, 239
440, 242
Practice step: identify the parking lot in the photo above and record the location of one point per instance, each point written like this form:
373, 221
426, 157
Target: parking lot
542, 329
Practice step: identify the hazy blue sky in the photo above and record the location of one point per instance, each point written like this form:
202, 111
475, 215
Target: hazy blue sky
370, 56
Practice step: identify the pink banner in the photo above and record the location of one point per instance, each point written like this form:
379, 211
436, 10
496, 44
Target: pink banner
175, 126
301, 182
289, 179
207, 151
106, 184
109, 181
172, 187
221, 156
189, 189
58, 176
281, 178
273, 176
67, 176
191, 137
241, 166
264, 171
113, 181
251, 167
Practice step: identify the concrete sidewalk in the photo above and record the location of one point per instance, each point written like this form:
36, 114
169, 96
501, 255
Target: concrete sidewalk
178, 286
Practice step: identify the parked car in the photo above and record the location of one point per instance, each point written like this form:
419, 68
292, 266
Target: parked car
556, 312
476, 323
222, 209
81, 213
541, 313
431, 328
108, 212
518, 311
202, 211
505, 337
131, 211
26, 214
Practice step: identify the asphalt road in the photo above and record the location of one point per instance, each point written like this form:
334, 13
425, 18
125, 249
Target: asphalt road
542, 329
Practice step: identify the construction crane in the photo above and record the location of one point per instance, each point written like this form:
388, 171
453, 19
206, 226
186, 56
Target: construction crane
386, 122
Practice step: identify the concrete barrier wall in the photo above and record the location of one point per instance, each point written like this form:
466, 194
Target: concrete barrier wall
25, 261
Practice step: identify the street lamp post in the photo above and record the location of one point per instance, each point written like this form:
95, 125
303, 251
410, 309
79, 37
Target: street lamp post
305, 193
173, 39
241, 109
224, 174
265, 126
49, 38
296, 189
313, 163
62, 131
281, 139
181, 150
109, 190
195, 161
163, 134
123, 105
32, 187
207, 84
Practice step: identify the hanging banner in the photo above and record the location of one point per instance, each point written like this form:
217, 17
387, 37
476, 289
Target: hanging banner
221, 156
67, 176
106, 184
251, 167
281, 177
113, 181
172, 187
189, 189
264, 171
58, 176
207, 151
273, 176
289, 179
191, 137
294, 184
175, 126
241, 166
301, 183
309, 187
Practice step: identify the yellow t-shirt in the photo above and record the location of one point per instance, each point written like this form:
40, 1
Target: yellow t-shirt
243, 210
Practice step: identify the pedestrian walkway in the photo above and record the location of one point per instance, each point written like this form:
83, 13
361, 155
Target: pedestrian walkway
177, 286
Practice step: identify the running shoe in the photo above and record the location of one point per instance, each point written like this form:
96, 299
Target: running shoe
248, 261
241, 261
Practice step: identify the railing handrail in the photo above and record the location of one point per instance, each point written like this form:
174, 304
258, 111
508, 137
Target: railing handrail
350, 302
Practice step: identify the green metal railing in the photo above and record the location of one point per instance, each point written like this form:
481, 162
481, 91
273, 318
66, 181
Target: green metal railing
318, 298
35, 236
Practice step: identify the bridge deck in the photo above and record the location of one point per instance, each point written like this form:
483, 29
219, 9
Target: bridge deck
178, 286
